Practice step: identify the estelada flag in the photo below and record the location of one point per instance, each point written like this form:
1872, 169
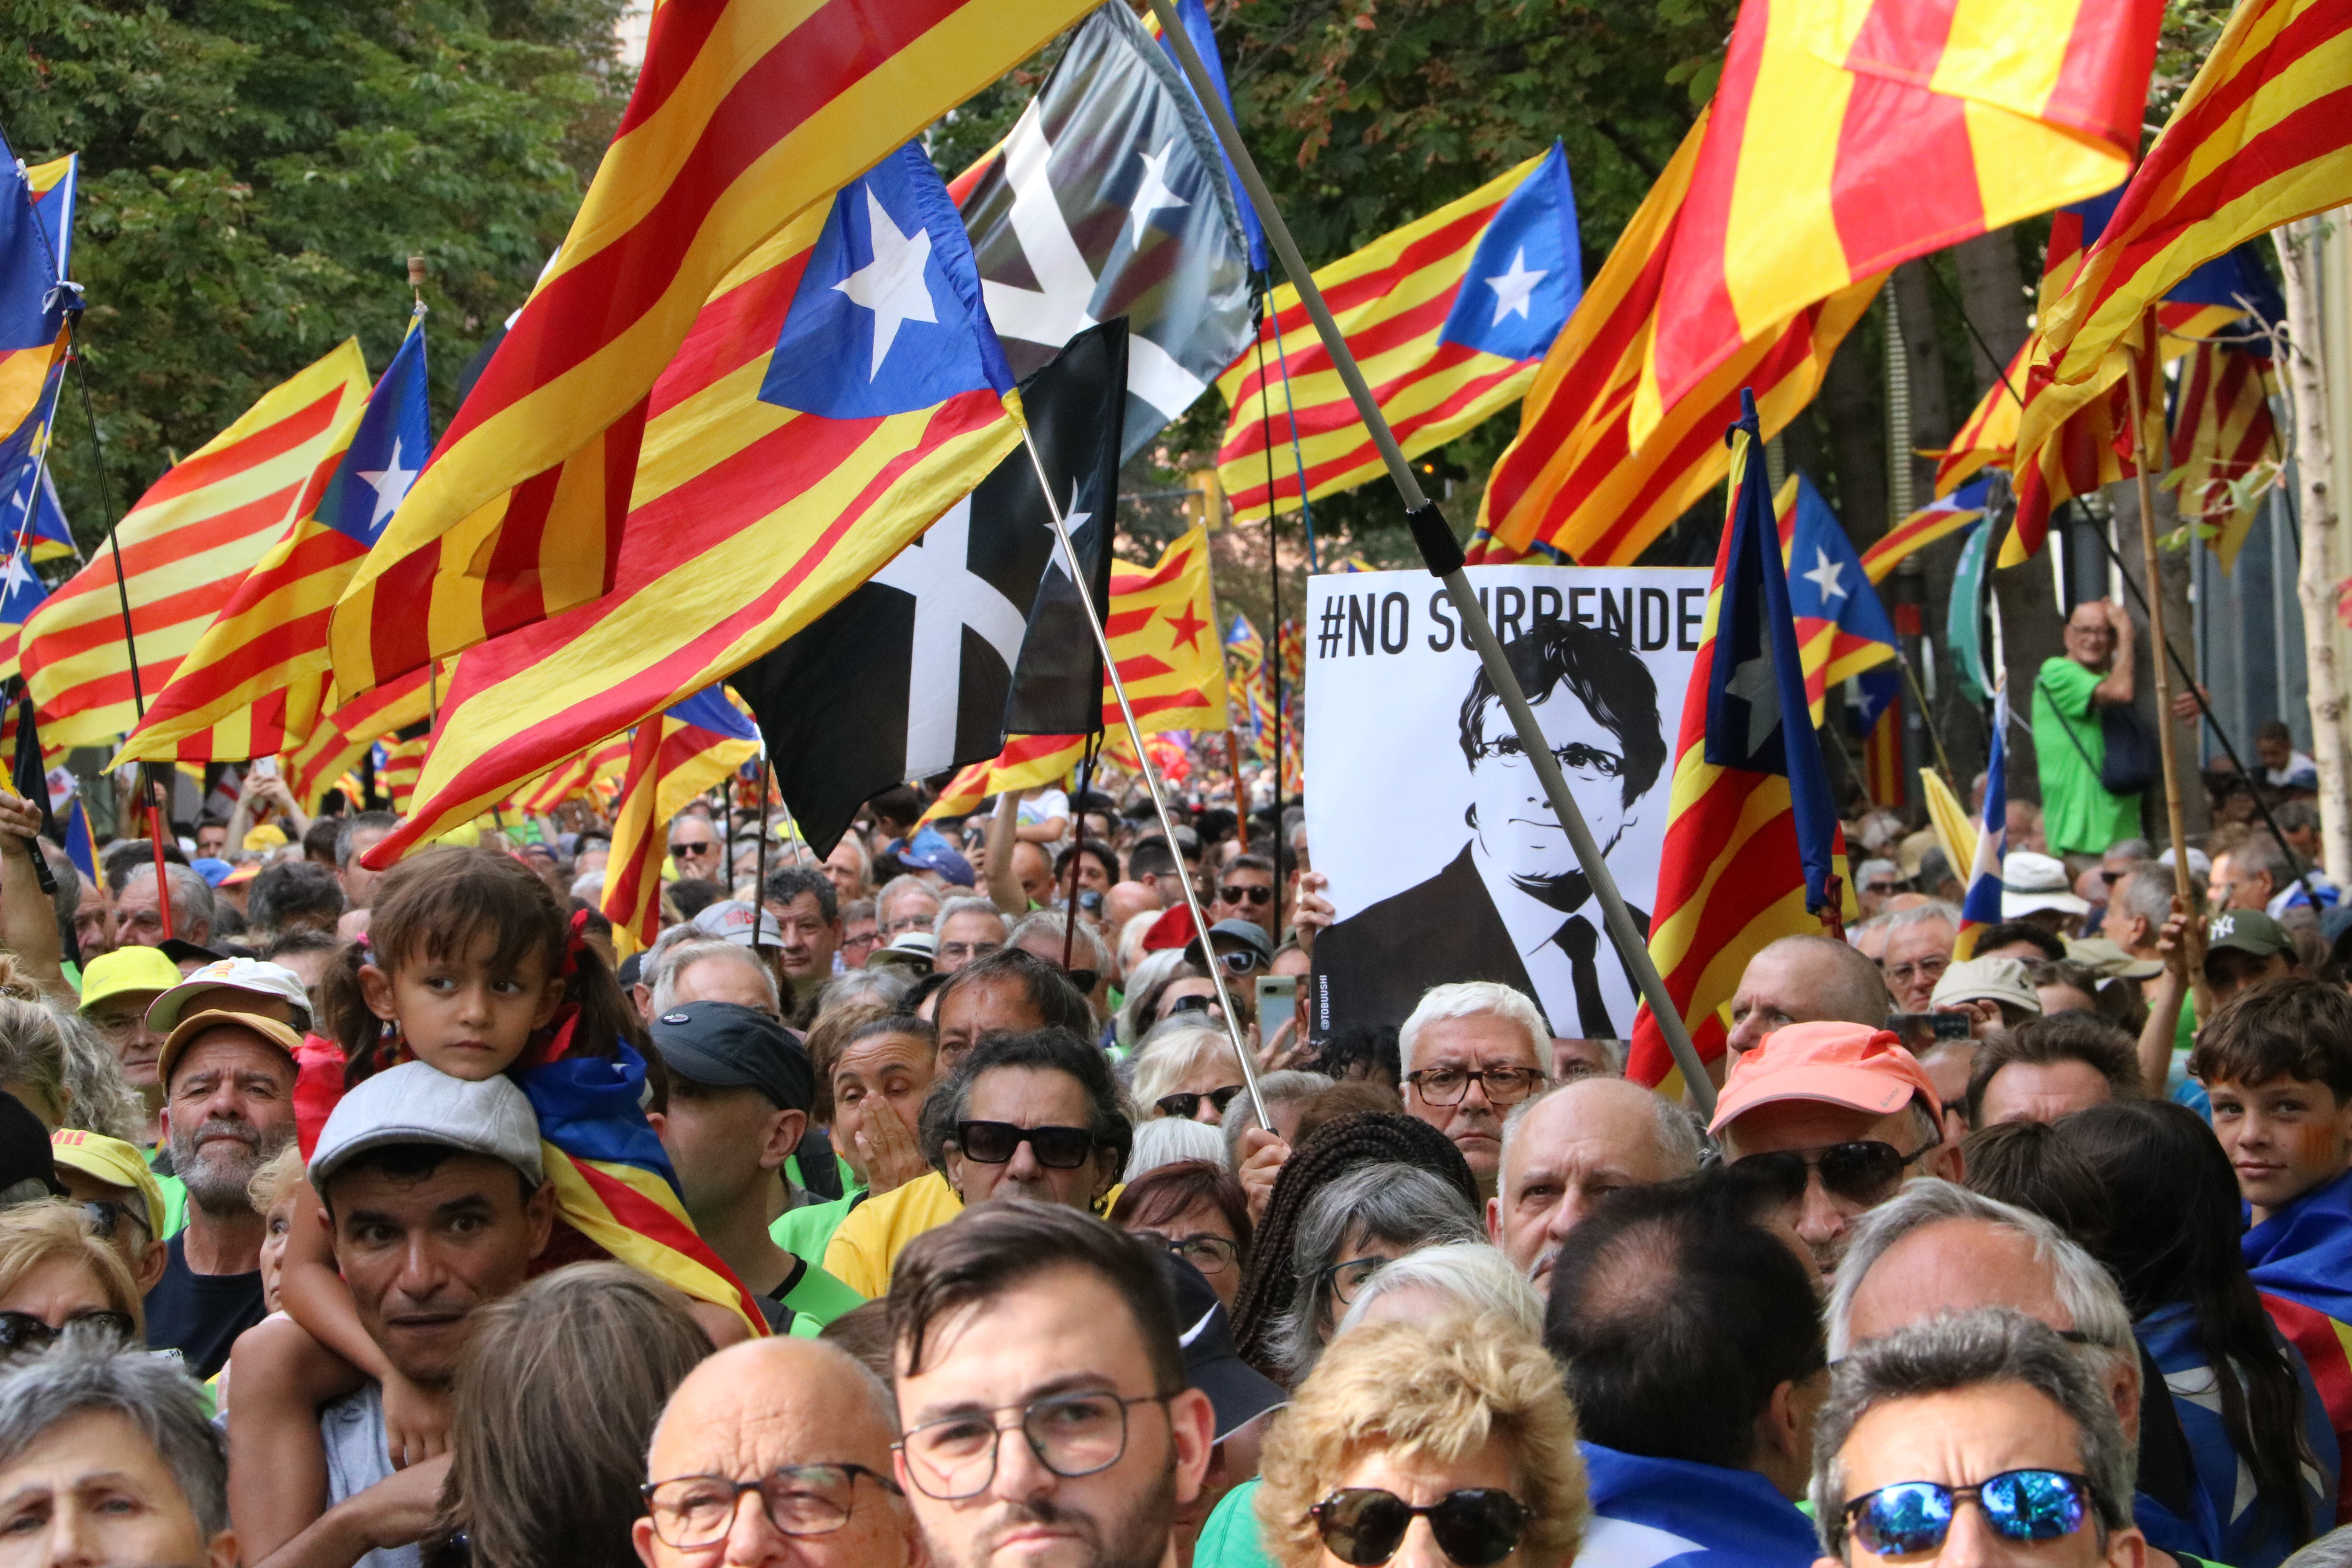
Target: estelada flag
37, 213
1752, 840
1448, 318
672, 759
747, 117
1849, 136
340, 737
840, 392
30, 514
186, 546
254, 682
1842, 627
1940, 518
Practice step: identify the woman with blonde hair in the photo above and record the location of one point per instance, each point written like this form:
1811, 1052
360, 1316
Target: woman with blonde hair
54, 1273
1421, 1444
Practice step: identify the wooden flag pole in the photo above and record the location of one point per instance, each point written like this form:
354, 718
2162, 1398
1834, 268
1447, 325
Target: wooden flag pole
2145, 353
1443, 555
1151, 780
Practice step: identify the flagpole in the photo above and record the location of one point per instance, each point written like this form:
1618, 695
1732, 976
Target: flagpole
1078, 845
1143, 758
2144, 353
1443, 555
1297, 457
1273, 551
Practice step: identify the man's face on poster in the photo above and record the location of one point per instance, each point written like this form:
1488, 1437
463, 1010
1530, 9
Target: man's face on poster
1515, 820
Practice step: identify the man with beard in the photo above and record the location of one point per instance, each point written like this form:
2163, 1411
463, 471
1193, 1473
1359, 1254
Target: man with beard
228, 1108
1514, 906
1041, 1381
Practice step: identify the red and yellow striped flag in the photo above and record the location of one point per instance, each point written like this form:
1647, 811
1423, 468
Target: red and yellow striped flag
2262, 137
404, 762
673, 757
187, 546
1026, 760
338, 739
1988, 437
1849, 136
1574, 484
746, 116
1940, 518
1427, 311
2225, 448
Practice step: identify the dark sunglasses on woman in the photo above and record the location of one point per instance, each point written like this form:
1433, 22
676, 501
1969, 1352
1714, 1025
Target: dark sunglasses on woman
995, 1142
1185, 1105
1476, 1527
1911, 1517
24, 1331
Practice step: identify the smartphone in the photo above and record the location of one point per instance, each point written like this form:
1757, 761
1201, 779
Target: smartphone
265, 767
1922, 1030
1276, 994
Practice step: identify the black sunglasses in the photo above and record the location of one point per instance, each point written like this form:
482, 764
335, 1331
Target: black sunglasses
1194, 1003
1185, 1105
1476, 1527
24, 1331
994, 1142
1241, 961
1912, 1516
1238, 894
1865, 1171
692, 849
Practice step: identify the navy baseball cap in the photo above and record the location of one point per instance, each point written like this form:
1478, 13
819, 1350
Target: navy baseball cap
946, 862
724, 1045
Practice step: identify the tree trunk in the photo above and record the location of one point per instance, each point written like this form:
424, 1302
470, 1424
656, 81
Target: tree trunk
1852, 399
1931, 415
1993, 291
2030, 634
2306, 388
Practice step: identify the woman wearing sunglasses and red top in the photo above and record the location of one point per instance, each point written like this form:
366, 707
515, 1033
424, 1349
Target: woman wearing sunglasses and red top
1424, 1444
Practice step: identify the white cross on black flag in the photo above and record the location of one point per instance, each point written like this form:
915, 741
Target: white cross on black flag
914, 672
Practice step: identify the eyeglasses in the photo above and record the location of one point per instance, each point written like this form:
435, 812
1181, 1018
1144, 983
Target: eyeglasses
678, 849
963, 951
1185, 1105
104, 1215
908, 922
24, 1331
690, 1512
1196, 1003
1238, 894
994, 1142
1476, 1527
2021, 1505
1883, 888
1071, 1435
1083, 981
1209, 1254
1866, 1172
1345, 1279
1576, 757
1503, 1086
1240, 960
862, 938
1928, 969
117, 1026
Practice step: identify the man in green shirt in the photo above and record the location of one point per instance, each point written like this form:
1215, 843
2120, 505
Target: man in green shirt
2078, 814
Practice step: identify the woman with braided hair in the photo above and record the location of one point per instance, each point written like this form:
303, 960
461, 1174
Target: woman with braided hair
1269, 1291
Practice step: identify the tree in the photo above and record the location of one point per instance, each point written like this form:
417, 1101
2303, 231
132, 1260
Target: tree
256, 171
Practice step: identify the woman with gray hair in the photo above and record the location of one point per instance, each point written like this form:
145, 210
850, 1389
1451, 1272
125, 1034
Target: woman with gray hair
1454, 1276
1351, 1229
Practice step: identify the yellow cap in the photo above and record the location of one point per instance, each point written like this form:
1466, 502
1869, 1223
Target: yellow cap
113, 1161
126, 968
268, 836
195, 1024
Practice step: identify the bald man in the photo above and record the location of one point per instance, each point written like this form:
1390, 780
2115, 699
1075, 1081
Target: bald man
808, 1424
1569, 1147
1805, 980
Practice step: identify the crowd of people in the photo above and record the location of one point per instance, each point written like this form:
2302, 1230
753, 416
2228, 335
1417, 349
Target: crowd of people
953, 1197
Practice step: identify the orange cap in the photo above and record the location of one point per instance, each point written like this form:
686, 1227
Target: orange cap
1850, 1065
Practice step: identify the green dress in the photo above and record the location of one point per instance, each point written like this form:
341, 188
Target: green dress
2078, 816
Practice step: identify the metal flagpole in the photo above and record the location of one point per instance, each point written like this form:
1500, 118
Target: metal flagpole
1273, 557
1442, 554
1150, 775
1297, 457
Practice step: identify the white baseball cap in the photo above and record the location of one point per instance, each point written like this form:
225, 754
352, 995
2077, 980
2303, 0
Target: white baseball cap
2030, 881
1986, 980
417, 1103
248, 974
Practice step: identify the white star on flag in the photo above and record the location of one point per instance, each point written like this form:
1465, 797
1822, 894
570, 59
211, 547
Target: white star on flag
1825, 576
1153, 192
1752, 682
1073, 520
391, 485
1514, 289
891, 285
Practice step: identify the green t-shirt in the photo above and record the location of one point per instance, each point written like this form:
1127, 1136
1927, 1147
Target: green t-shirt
819, 1297
1229, 1537
807, 1231
2078, 816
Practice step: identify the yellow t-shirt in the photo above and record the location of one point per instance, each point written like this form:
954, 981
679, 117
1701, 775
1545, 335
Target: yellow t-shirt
868, 1244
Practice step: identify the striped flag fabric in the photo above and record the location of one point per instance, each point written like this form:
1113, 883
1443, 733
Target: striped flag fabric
838, 395
1026, 760
256, 679
2225, 446
340, 738
1575, 485
1940, 518
1882, 742
1449, 317
1752, 841
2091, 448
1842, 627
672, 759
401, 764
37, 214
747, 117
1849, 136
1245, 681
2262, 137
1988, 437
1980, 905
2300, 1257
186, 546
21, 593
80, 844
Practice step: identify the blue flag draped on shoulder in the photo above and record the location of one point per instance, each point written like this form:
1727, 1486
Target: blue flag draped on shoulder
1757, 684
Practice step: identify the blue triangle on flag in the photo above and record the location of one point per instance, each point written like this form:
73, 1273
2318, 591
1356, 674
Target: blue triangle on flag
1528, 272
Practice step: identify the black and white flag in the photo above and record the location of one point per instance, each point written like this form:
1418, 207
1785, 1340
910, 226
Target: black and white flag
914, 672
1109, 198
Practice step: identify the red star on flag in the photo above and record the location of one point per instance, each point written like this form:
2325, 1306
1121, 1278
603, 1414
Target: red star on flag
1188, 627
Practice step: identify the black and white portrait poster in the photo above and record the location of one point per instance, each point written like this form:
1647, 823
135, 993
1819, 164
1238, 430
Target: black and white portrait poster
1446, 860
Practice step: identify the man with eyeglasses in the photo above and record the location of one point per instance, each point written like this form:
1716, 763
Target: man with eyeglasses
694, 848
117, 989
904, 903
1973, 1438
1837, 1117
1043, 1389
775, 1452
1513, 905
1247, 890
1470, 1052
966, 929
1918, 950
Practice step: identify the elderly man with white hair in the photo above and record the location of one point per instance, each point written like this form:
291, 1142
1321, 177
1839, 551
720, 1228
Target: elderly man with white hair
1569, 1148
1470, 1052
